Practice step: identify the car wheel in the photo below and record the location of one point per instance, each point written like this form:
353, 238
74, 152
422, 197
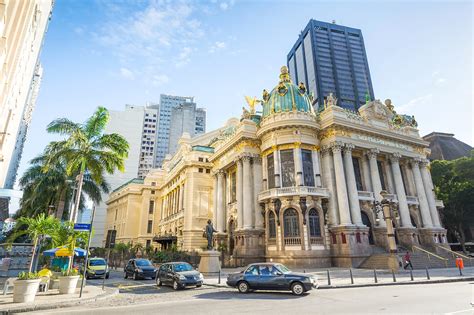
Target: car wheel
135, 276
175, 285
158, 282
243, 287
125, 276
297, 288
199, 285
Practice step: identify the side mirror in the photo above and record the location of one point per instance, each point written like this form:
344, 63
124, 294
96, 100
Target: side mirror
279, 273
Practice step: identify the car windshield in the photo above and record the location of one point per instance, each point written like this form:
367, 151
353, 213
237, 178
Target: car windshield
143, 262
283, 268
97, 262
182, 267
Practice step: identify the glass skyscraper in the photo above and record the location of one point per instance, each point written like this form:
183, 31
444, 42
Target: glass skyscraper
330, 58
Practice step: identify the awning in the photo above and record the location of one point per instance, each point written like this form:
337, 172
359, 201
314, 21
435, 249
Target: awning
165, 239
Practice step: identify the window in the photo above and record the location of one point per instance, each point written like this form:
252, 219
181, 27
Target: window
358, 176
149, 228
290, 220
314, 225
148, 243
381, 174
233, 186
208, 171
151, 207
152, 192
271, 225
287, 168
271, 171
200, 159
308, 172
252, 270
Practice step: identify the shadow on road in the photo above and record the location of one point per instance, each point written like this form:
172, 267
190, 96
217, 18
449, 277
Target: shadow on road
260, 295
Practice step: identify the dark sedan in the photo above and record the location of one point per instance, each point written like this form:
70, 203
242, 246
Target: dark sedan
139, 268
268, 276
179, 275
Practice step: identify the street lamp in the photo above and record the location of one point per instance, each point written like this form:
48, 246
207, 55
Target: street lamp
389, 209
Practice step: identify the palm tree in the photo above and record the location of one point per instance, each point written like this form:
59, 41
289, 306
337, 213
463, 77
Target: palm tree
36, 228
44, 187
86, 149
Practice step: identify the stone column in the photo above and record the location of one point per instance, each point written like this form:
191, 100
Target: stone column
400, 190
366, 174
247, 192
264, 173
277, 168
298, 166
257, 188
220, 202
410, 189
420, 192
389, 178
214, 205
428, 184
316, 168
375, 179
351, 185
342, 201
239, 193
329, 183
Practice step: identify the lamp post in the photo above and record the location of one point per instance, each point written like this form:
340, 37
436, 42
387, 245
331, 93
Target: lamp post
390, 213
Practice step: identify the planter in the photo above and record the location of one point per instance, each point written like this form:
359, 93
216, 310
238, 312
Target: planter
67, 285
24, 291
54, 284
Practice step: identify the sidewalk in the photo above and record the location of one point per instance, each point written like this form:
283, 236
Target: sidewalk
340, 277
52, 299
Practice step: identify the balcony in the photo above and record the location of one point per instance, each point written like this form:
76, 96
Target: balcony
412, 200
366, 195
293, 191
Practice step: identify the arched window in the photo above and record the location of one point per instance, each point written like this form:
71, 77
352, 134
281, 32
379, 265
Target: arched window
271, 225
291, 224
314, 226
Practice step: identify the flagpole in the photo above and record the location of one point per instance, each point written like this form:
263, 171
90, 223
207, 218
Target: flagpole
87, 252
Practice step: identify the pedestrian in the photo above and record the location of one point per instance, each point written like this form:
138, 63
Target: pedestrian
407, 261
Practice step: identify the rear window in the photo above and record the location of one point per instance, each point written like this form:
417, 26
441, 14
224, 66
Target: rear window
143, 262
182, 267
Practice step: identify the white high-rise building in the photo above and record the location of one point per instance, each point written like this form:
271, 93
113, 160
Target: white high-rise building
23, 24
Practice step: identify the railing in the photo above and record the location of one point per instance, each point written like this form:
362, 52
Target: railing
429, 254
272, 241
316, 240
366, 195
412, 200
292, 240
291, 191
453, 253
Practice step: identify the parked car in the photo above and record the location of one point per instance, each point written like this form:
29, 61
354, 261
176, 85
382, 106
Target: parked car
179, 275
270, 276
97, 268
139, 268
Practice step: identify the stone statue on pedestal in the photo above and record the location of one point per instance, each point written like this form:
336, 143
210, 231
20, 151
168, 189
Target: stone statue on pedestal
209, 234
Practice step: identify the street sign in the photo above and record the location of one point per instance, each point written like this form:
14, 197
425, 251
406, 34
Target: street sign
82, 227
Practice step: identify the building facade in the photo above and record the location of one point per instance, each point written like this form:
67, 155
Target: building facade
294, 185
330, 58
185, 118
167, 104
23, 25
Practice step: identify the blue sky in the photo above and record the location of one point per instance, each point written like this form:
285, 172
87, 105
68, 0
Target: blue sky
112, 53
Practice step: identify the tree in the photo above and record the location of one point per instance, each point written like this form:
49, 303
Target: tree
49, 186
454, 184
36, 228
86, 150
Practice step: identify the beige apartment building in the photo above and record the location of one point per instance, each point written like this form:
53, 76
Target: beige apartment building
290, 184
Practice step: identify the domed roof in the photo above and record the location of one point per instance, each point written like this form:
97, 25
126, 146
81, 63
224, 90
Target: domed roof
286, 97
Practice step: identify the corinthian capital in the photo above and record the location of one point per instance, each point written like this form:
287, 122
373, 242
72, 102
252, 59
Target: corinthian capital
424, 162
336, 147
325, 150
416, 162
395, 157
348, 147
372, 153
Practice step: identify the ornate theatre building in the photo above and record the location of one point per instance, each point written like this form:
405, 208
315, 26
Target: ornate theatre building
288, 184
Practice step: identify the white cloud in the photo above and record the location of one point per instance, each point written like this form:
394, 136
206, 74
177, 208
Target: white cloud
184, 57
438, 79
79, 30
224, 6
421, 101
217, 46
159, 79
127, 74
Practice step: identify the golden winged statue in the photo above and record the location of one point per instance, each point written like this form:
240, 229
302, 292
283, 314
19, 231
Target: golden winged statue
252, 103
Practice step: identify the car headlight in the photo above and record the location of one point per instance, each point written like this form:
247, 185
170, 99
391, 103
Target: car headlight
91, 271
201, 277
181, 277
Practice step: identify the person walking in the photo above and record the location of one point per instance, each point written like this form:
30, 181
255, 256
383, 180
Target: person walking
407, 259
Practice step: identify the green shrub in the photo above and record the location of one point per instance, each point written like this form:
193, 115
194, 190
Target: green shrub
28, 275
70, 272
168, 256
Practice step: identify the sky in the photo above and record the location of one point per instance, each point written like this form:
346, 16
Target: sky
112, 53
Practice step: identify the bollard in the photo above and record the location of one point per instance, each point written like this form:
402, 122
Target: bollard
352, 278
329, 278
219, 279
411, 275
375, 277
427, 273
393, 276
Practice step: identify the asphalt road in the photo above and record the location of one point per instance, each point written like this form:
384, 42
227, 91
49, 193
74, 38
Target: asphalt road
143, 297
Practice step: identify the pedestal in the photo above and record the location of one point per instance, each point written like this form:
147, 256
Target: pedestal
407, 236
380, 237
350, 245
249, 247
209, 263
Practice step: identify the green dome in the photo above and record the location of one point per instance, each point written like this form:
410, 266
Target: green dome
286, 97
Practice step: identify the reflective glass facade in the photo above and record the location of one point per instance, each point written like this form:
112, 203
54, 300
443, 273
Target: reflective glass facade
330, 58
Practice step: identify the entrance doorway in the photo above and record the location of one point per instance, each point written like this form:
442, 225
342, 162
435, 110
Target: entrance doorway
366, 221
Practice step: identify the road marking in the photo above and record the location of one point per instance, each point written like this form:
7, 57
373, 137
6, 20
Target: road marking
467, 311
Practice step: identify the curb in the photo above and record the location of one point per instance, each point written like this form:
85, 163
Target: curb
42, 307
345, 286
